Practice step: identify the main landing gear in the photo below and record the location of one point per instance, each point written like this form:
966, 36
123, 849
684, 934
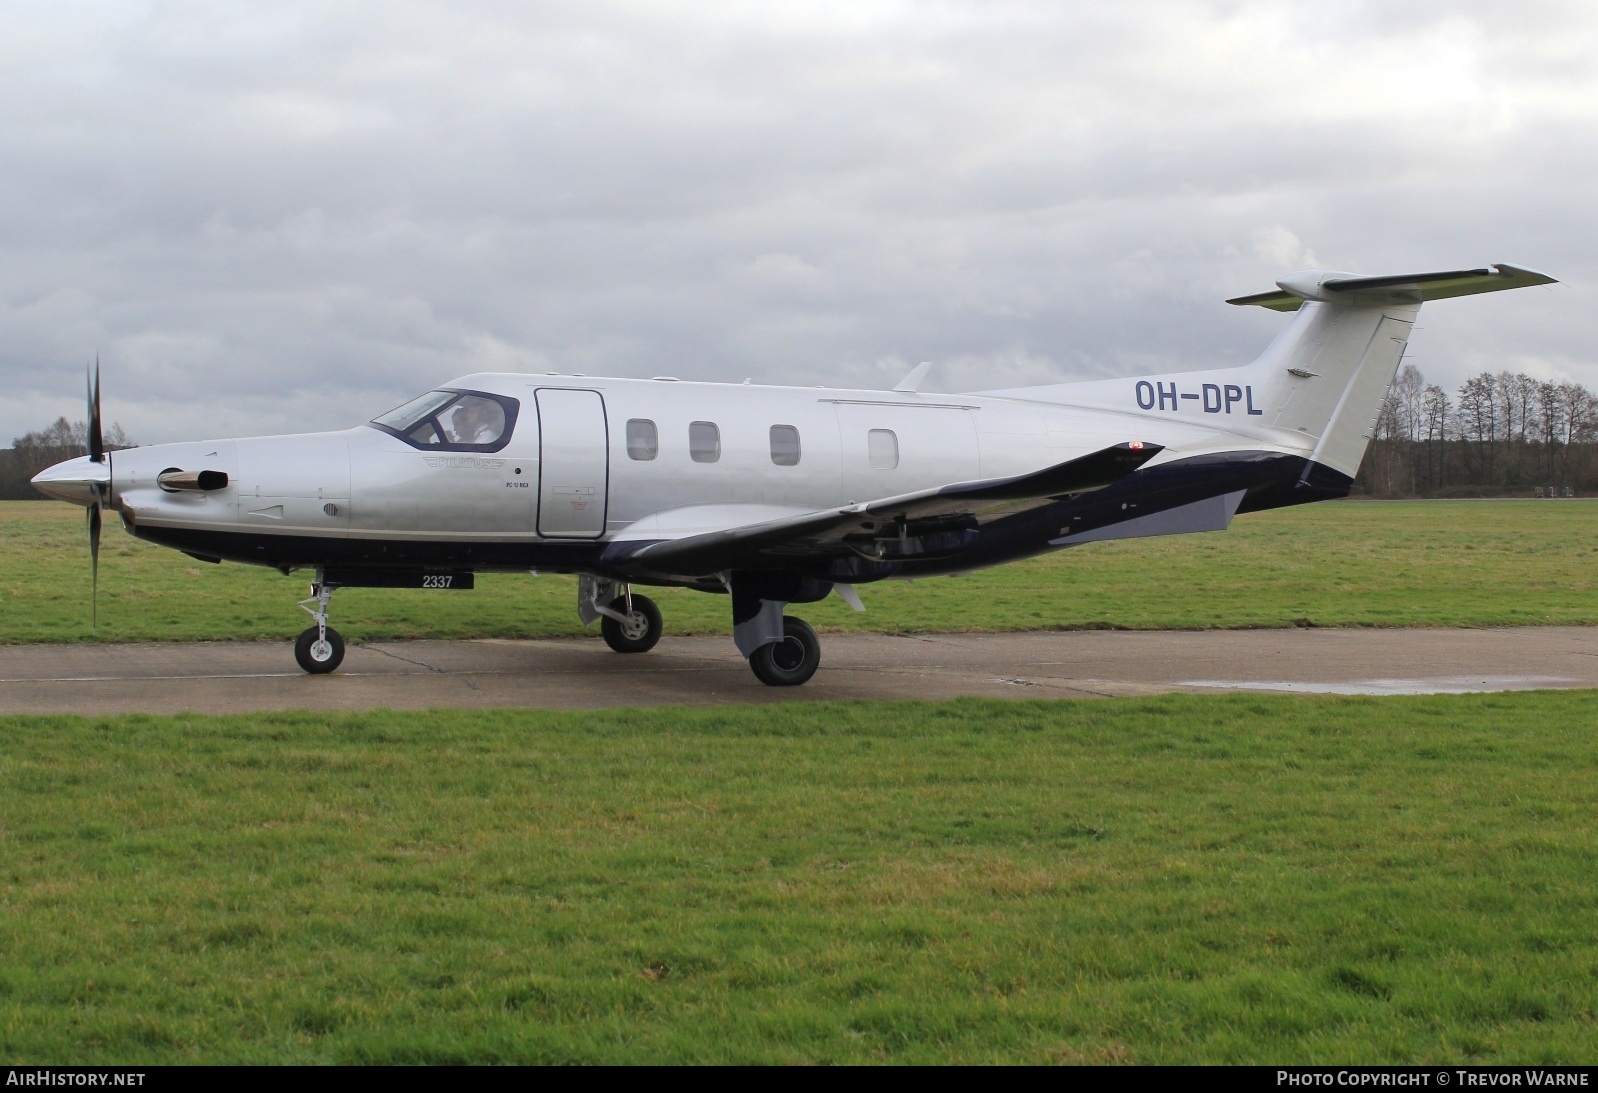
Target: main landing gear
791, 661
782, 651
637, 629
320, 648
629, 622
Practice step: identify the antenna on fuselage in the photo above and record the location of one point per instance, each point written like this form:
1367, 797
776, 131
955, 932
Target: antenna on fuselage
912, 383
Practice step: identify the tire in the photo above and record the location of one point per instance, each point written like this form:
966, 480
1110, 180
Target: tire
791, 661
641, 630
317, 657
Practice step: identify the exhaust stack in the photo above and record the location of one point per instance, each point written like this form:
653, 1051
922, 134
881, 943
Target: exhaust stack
202, 481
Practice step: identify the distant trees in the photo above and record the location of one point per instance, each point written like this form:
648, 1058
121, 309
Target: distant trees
1502, 433
46, 447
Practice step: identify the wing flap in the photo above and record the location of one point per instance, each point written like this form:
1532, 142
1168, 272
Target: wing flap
960, 506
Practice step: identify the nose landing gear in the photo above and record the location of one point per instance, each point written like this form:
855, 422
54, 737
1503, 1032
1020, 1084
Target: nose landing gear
320, 648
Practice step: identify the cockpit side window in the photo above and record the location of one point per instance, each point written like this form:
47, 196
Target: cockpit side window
453, 421
474, 419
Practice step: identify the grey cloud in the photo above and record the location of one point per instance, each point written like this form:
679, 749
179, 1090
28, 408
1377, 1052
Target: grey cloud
281, 217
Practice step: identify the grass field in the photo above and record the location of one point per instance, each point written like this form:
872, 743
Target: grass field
1182, 879
1345, 564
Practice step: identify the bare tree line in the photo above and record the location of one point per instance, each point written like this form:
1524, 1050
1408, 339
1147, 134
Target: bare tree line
1504, 433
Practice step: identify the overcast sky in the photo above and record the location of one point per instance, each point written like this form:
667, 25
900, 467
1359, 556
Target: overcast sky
286, 216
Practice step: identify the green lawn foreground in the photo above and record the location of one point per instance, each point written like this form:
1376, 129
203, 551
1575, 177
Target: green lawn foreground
1341, 564
1179, 879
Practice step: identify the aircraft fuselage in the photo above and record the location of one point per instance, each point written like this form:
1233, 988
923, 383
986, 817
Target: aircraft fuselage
587, 460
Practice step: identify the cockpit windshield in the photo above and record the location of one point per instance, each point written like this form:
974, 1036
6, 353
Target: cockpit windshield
453, 421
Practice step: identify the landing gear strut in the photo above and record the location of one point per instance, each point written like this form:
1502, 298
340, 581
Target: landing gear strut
782, 651
320, 648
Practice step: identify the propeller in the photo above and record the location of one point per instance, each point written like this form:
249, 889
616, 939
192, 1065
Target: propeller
96, 507
96, 441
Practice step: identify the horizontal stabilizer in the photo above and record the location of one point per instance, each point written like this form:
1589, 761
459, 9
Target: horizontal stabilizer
822, 534
1276, 301
1401, 288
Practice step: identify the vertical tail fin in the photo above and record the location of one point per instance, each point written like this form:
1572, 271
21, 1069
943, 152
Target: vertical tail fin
1328, 373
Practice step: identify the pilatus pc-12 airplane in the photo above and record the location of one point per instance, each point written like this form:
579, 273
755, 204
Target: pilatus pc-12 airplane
772, 495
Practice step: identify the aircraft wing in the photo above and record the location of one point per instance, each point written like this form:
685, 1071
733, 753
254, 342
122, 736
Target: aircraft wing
952, 510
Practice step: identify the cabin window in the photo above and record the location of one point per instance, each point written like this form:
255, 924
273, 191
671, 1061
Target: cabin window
882, 446
704, 441
458, 421
643, 439
784, 445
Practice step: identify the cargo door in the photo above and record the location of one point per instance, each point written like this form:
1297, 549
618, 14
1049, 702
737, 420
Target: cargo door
889, 450
574, 464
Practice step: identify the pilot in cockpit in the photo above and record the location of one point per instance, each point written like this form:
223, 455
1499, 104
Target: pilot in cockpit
476, 421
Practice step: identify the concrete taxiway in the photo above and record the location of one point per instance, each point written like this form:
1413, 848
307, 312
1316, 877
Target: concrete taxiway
236, 677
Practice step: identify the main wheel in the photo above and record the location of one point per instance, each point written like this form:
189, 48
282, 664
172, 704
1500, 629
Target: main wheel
641, 630
316, 656
791, 661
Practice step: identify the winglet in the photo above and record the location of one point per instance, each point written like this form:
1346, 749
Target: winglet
911, 383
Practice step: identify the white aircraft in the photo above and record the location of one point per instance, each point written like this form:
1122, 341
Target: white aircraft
772, 495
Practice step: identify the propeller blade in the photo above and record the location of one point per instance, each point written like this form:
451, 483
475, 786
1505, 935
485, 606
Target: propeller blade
94, 556
96, 440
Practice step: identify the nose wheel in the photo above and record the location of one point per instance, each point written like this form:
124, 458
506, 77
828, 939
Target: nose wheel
320, 648
319, 651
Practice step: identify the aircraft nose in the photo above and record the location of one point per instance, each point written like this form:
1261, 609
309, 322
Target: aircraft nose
74, 480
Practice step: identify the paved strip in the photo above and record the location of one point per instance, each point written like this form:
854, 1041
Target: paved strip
235, 677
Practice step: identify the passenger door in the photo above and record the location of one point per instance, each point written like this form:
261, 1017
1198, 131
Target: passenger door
574, 466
